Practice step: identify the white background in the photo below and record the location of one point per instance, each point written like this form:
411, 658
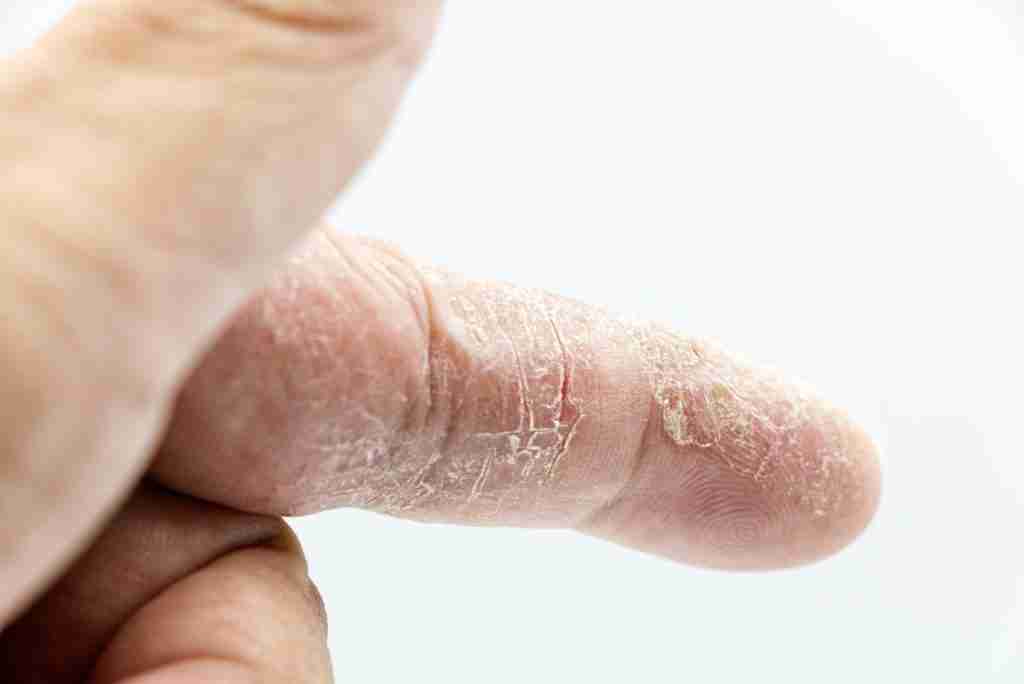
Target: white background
835, 188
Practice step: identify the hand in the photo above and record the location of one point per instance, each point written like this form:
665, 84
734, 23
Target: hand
158, 161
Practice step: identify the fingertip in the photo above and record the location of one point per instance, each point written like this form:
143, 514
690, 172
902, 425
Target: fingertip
706, 515
860, 490
739, 469
834, 496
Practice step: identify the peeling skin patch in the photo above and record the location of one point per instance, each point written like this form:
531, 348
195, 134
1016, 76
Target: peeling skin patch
505, 411
433, 397
519, 381
502, 416
771, 432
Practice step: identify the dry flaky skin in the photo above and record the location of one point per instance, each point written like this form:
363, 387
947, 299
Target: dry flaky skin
774, 433
359, 379
500, 358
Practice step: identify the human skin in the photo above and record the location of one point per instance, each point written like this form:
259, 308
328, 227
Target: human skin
170, 313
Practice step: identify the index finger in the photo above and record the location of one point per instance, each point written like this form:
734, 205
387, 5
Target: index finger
362, 379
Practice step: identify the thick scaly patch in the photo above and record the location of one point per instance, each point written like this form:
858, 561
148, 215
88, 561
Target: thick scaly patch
775, 433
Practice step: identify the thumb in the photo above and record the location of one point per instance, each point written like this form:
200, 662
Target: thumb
155, 159
173, 150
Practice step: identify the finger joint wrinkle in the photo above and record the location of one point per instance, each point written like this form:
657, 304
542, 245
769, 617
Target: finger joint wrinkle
502, 389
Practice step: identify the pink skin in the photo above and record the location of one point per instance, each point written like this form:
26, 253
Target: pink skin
158, 160
360, 379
